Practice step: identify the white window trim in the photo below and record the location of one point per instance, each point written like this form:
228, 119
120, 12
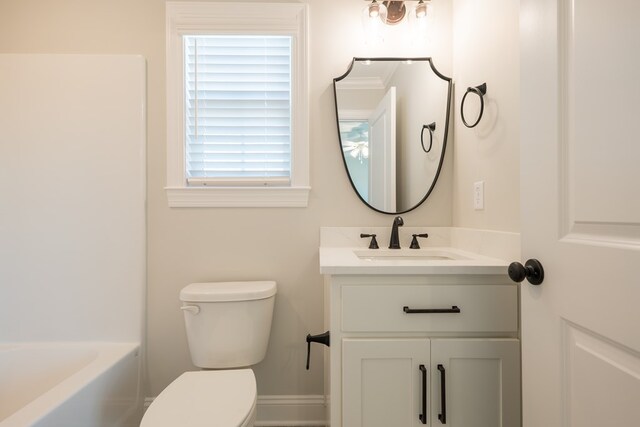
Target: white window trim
189, 18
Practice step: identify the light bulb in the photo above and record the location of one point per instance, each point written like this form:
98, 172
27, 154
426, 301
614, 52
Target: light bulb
374, 9
421, 9
419, 19
373, 17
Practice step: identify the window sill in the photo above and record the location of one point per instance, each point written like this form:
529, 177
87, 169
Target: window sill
247, 197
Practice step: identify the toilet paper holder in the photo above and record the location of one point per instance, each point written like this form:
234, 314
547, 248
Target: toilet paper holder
323, 338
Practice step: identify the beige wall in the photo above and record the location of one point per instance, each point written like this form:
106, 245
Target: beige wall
421, 99
189, 245
486, 49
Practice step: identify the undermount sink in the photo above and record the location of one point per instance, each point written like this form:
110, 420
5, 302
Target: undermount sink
408, 255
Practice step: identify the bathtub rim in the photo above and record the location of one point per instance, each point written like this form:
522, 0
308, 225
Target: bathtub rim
109, 353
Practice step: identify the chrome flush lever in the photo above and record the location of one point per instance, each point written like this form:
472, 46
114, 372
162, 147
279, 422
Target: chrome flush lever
194, 309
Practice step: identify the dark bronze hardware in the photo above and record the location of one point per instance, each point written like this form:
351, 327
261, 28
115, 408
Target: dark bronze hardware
374, 242
431, 127
532, 271
480, 90
423, 415
453, 309
414, 241
324, 338
442, 416
394, 241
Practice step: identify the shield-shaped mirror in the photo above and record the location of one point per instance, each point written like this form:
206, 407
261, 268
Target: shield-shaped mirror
393, 121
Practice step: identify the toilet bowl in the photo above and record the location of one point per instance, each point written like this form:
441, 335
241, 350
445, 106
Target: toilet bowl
206, 399
228, 326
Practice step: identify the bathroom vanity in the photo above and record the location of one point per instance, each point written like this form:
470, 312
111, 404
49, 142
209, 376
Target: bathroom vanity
419, 336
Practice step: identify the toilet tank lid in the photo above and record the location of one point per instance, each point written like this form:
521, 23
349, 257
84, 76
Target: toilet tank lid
227, 291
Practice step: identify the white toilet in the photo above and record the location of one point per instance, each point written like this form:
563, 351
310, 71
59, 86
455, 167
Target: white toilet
228, 326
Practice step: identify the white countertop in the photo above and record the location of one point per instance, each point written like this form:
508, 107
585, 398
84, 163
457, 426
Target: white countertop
342, 252
343, 260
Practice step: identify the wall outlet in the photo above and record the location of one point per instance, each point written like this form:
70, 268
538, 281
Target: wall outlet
478, 195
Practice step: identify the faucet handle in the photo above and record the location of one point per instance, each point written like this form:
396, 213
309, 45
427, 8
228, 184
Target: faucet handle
374, 242
414, 241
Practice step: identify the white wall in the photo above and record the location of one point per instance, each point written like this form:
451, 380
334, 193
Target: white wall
190, 245
72, 181
421, 99
486, 49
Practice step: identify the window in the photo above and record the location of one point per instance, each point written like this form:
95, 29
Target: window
354, 134
237, 110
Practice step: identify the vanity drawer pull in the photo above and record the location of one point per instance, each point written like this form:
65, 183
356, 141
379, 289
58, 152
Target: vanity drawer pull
453, 309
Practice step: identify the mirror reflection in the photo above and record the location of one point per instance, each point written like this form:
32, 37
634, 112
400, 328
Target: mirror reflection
393, 116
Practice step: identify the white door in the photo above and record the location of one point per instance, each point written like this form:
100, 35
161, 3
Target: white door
480, 382
382, 154
580, 197
382, 382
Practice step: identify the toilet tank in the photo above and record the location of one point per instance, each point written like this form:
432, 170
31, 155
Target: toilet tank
228, 323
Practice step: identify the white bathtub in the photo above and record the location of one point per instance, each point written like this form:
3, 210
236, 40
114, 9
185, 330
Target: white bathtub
69, 385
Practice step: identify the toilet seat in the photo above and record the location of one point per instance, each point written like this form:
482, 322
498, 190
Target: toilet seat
205, 399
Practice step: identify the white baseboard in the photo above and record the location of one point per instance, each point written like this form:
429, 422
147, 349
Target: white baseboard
301, 410
286, 411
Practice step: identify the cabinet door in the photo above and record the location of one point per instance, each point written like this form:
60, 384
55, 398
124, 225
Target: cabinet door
481, 379
382, 383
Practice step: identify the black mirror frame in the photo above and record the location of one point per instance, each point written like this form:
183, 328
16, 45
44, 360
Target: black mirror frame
446, 127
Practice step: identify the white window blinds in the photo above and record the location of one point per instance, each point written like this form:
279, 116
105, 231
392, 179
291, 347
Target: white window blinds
238, 110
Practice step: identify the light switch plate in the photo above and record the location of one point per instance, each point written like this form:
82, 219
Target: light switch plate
478, 195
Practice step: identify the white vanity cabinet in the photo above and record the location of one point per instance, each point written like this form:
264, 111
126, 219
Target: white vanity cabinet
398, 342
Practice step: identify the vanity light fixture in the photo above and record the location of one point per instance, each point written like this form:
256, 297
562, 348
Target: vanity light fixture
393, 12
396, 11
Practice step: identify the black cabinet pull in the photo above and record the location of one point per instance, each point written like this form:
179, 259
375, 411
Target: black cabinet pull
442, 416
453, 309
423, 415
